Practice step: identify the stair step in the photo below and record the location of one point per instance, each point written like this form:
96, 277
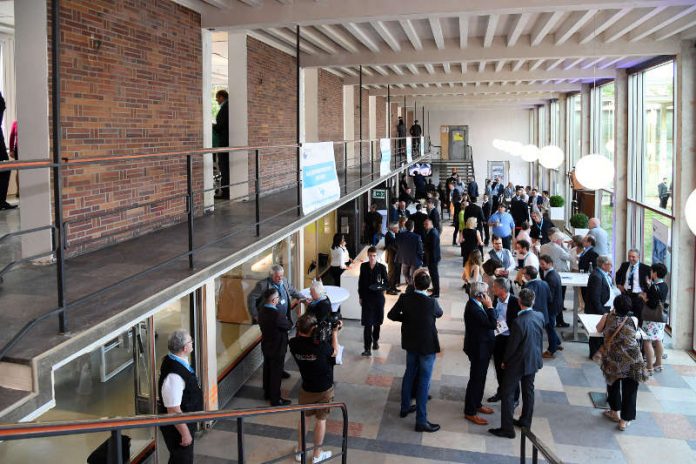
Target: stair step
16, 376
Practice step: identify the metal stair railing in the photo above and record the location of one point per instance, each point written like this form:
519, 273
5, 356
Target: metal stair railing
25, 431
537, 446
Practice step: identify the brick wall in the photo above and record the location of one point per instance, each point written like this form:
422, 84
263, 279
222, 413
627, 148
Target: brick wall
137, 90
272, 107
330, 102
365, 114
394, 117
381, 117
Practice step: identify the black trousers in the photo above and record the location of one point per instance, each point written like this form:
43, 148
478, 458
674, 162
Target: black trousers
622, 395
486, 233
4, 175
336, 275
511, 381
498, 355
477, 381
559, 316
434, 277
177, 454
393, 274
507, 242
272, 376
223, 160
370, 335
663, 202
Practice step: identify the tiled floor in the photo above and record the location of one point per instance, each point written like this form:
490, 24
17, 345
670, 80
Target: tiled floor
564, 418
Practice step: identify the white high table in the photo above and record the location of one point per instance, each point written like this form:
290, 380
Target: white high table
577, 280
590, 321
337, 295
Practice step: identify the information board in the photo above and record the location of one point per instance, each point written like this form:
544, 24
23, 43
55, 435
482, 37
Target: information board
319, 179
385, 161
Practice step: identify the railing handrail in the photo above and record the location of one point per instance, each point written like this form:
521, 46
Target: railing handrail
538, 446
27, 430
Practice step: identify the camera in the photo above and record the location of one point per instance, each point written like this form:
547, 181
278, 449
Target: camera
325, 327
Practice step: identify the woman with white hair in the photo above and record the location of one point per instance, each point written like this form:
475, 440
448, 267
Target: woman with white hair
320, 306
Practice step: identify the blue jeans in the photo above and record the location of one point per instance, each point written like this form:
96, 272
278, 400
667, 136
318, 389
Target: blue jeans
420, 365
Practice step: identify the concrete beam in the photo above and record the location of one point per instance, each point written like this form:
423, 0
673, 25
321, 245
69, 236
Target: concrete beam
470, 90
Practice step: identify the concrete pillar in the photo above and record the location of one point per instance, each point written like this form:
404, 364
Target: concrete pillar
349, 118
585, 120
372, 115
621, 177
309, 121
560, 179
31, 32
209, 368
207, 55
683, 244
238, 107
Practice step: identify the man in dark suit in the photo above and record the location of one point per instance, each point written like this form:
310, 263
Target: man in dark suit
432, 255
598, 295
588, 256
541, 289
394, 267
486, 209
479, 339
632, 278
540, 228
409, 252
417, 313
474, 210
521, 363
419, 182
519, 209
418, 219
222, 131
553, 280
434, 215
394, 210
506, 308
472, 189
373, 225
274, 344
402, 211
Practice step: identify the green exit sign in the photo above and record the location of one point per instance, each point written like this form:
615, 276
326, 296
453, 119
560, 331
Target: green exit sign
379, 194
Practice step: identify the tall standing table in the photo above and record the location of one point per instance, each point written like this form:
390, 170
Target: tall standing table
577, 280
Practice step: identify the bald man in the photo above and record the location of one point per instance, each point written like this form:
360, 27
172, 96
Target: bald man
601, 246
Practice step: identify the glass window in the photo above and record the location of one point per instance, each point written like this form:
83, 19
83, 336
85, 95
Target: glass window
606, 205
602, 124
574, 128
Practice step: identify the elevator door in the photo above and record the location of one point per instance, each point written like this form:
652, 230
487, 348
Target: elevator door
458, 140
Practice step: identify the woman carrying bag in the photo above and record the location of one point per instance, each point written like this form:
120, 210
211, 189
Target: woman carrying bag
621, 362
654, 317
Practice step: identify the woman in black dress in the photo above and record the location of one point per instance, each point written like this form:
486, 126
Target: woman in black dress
371, 286
470, 239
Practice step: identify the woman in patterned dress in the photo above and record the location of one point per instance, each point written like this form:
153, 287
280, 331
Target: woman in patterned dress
657, 292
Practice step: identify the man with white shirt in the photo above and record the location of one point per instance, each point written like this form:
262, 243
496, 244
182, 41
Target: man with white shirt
524, 258
601, 246
632, 279
179, 392
504, 256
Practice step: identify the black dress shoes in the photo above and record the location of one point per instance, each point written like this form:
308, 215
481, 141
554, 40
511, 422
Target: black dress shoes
494, 399
366, 353
502, 433
427, 427
285, 375
7, 205
281, 402
518, 423
375, 346
563, 324
411, 409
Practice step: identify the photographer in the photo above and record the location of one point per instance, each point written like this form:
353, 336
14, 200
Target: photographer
316, 362
320, 308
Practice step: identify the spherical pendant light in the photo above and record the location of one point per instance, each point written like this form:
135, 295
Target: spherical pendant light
499, 144
551, 157
514, 148
530, 153
690, 212
594, 171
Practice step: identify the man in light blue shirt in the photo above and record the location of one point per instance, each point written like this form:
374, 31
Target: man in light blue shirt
600, 236
502, 225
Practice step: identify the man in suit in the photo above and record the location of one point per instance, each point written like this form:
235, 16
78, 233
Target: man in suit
633, 278
598, 295
519, 209
221, 128
486, 209
542, 292
402, 211
409, 252
663, 192
535, 201
600, 236
561, 263
506, 308
417, 313
474, 210
394, 210
373, 225
418, 219
285, 289
432, 255
521, 362
479, 340
274, 344
588, 257
394, 267
540, 228
434, 215
553, 280
504, 256
472, 189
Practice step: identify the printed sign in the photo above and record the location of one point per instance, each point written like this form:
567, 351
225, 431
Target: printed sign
385, 161
319, 179
409, 149
422, 146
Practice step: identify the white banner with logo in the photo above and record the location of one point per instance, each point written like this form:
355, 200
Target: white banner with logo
319, 178
422, 146
409, 149
385, 161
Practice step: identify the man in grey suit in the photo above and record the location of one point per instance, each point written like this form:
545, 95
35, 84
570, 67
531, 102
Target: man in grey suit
285, 289
521, 362
601, 246
561, 262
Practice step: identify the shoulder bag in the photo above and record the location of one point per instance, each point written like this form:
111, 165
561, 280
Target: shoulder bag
656, 314
598, 357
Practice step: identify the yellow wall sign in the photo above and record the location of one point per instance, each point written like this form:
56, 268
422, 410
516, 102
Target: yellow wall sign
458, 137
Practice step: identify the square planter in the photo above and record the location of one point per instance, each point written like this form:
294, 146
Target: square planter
557, 213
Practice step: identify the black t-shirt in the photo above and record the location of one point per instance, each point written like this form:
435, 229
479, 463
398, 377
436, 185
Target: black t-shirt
315, 363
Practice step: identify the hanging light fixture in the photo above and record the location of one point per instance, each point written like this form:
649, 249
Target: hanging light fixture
514, 148
551, 157
530, 153
690, 212
594, 171
499, 144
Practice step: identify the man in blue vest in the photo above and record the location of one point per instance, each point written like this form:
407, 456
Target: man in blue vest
179, 392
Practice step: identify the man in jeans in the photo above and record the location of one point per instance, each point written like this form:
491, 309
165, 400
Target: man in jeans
316, 361
417, 313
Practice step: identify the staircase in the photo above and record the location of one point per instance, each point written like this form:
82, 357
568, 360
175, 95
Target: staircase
465, 167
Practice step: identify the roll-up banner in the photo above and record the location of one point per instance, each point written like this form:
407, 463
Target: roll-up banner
319, 178
385, 161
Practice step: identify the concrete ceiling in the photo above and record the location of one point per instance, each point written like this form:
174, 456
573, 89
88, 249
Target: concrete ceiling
428, 49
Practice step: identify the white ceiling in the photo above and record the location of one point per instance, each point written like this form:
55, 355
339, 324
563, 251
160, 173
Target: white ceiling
455, 50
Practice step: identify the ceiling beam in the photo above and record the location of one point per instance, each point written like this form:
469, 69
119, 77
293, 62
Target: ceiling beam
604, 22
386, 35
362, 37
411, 33
436, 29
291, 39
517, 27
396, 70
252, 3
219, 3
499, 65
498, 51
447, 68
544, 24
338, 36
489, 90
680, 26
429, 67
311, 35
631, 22
463, 31
413, 68
571, 25
491, 25
660, 22
521, 75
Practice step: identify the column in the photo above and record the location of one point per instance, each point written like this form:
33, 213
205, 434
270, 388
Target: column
683, 244
372, 115
349, 119
207, 54
560, 179
620, 164
31, 32
585, 120
309, 121
208, 371
238, 107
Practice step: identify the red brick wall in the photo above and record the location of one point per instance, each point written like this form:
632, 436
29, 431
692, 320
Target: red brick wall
138, 92
381, 117
394, 118
365, 114
272, 107
330, 102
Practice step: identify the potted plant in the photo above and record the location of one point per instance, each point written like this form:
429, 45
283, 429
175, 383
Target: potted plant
556, 210
578, 223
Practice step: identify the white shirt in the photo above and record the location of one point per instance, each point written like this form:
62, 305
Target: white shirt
636, 278
531, 260
339, 257
173, 388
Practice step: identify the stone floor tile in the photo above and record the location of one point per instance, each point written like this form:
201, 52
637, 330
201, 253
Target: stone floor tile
571, 454
683, 395
454, 440
675, 426
646, 449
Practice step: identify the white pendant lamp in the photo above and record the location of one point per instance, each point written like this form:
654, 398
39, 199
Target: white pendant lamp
690, 212
551, 157
530, 153
514, 148
594, 171
499, 144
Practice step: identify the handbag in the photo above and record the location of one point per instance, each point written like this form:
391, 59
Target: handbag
656, 314
598, 357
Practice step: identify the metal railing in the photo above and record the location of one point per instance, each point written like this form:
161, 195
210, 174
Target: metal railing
116, 426
537, 447
364, 156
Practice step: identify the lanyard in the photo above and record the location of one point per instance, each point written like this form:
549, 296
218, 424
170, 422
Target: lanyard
181, 361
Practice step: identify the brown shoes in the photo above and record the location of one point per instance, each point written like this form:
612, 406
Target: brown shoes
485, 410
476, 420
547, 355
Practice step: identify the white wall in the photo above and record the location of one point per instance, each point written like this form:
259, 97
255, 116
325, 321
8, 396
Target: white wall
484, 126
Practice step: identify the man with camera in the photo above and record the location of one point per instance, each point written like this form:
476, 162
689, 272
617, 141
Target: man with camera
316, 361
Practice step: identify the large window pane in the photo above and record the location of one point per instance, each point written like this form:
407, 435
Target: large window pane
606, 122
607, 217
